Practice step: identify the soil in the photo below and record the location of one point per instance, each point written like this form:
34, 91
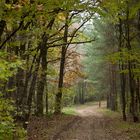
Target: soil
88, 124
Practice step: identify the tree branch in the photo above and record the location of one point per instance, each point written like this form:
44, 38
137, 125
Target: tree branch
12, 34
71, 43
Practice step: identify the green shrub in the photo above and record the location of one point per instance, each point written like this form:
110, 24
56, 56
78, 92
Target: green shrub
8, 129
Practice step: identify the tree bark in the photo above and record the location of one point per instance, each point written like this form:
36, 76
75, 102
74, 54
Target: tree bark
122, 75
58, 99
130, 67
42, 79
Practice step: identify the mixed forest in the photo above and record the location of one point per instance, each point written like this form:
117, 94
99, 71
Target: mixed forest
60, 53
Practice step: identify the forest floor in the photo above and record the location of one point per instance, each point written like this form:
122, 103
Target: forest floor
88, 122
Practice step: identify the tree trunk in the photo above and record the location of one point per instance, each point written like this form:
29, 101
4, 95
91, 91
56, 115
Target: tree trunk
42, 79
122, 75
130, 67
123, 98
58, 99
32, 88
2, 26
60, 84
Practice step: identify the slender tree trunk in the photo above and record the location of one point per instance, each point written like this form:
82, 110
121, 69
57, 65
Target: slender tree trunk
2, 26
42, 79
130, 67
32, 87
122, 75
123, 98
47, 104
58, 99
20, 88
109, 103
138, 92
114, 90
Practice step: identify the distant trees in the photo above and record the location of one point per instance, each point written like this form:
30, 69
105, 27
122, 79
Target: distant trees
127, 57
118, 35
114, 57
101, 73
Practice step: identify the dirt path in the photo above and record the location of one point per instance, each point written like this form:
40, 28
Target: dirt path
89, 124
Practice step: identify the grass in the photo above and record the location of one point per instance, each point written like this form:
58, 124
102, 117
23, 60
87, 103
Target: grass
69, 111
131, 129
72, 110
109, 113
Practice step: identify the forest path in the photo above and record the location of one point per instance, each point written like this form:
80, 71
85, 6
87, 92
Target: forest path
90, 123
